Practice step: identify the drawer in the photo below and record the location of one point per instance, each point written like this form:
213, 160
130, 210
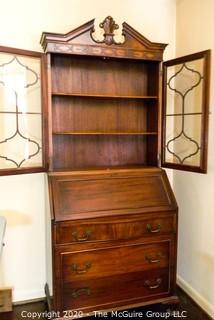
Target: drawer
123, 289
116, 260
76, 232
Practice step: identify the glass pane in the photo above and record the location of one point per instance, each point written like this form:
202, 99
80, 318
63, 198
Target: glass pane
184, 87
20, 111
183, 147
185, 111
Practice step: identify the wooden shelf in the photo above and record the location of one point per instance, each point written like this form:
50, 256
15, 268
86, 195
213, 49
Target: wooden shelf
86, 95
111, 168
105, 133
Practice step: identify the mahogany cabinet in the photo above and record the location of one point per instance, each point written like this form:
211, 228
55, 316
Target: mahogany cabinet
113, 213
114, 234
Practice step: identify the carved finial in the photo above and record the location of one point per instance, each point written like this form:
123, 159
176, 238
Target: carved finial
109, 26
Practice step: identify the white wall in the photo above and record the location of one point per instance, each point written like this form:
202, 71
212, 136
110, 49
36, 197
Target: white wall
195, 192
23, 262
22, 197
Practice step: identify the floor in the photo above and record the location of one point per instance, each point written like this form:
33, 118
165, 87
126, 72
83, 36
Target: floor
187, 309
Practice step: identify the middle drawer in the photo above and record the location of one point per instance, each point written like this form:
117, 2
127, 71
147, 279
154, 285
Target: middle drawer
116, 260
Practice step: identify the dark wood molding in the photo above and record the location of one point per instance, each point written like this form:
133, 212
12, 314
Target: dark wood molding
15, 171
80, 41
22, 52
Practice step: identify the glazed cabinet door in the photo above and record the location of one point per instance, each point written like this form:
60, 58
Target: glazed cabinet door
22, 111
185, 113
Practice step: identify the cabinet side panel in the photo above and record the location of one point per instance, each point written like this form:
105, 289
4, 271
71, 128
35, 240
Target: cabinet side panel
48, 221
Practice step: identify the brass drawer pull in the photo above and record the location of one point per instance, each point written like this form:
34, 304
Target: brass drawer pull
78, 292
150, 229
83, 238
154, 284
154, 260
79, 270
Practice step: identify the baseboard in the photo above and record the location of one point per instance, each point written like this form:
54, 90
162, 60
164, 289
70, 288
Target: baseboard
27, 296
199, 299
19, 303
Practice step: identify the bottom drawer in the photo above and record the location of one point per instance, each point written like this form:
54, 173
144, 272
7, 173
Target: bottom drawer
94, 294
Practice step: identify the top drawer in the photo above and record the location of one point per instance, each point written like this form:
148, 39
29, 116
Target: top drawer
96, 194
109, 230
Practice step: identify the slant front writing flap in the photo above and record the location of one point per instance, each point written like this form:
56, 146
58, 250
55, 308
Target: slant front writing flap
78, 197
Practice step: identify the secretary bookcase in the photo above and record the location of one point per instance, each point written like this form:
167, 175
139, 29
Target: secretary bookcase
109, 126
113, 213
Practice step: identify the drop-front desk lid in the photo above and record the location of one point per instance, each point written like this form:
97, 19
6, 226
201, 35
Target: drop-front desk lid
97, 193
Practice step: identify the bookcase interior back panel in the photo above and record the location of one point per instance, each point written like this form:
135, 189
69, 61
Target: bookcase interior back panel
78, 74
80, 151
75, 114
100, 120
